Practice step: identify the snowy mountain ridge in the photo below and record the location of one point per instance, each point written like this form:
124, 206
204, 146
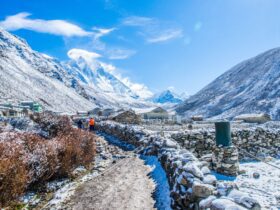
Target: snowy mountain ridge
92, 73
80, 84
253, 86
168, 96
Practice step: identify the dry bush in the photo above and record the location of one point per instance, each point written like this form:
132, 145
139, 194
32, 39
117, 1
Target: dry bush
27, 159
43, 157
51, 123
13, 172
76, 148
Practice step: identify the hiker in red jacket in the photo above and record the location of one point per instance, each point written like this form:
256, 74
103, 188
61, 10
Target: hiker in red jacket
91, 124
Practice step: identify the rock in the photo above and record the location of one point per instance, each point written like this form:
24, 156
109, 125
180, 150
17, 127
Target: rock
225, 204
256, 175
244, 199
169, 143
205, 170
209, 179
202, 190
192, 168
78, 171
207, 202
225, 160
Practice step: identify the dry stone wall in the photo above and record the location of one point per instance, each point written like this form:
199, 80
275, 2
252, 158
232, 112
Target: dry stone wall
257, 141
192, 186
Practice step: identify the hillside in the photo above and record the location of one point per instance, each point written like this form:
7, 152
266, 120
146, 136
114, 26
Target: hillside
81, 83
29, 75
252, 86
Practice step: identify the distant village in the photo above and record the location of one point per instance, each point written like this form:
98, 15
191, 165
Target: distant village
9, 108
13, 109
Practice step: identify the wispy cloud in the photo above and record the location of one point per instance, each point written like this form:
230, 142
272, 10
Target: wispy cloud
140, 89
119, 54
56, 27
166, 35
153, 30
138, 21
99, 32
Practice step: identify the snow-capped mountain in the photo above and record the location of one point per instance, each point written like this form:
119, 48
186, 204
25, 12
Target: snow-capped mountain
252, 86
80, 84
167, 96
29, 75
92, 73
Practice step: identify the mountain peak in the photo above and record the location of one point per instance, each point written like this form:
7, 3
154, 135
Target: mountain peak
167, 96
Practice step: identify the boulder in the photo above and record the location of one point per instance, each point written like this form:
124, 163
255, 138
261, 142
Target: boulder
225, 204
244, 199
202, 190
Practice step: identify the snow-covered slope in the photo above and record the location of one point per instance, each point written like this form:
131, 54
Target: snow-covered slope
97, 80
252, 86
167, 96
29, 75
80, 84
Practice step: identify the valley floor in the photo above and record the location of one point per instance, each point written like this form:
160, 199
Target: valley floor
124, 186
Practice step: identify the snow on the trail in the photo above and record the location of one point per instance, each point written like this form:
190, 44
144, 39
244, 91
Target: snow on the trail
162, 193
265, 189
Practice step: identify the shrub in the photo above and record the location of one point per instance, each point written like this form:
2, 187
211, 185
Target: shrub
76, 148
27, 159
13, 172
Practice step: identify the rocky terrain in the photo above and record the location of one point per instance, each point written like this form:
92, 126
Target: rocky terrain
192, 184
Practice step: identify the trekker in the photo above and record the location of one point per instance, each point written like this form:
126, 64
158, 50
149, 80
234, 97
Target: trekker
80, 124
91, 124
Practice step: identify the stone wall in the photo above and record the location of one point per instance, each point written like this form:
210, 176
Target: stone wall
192, 186
257, 141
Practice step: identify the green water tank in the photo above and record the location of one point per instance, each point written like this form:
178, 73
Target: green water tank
223, 134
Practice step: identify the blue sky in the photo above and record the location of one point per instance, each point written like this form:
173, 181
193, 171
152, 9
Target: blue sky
160, 43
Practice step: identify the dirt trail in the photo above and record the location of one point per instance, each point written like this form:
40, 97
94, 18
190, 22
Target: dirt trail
125, 186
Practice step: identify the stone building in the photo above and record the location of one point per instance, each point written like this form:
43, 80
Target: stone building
156, 114
253, 118
127, 117
107, 112
31, 105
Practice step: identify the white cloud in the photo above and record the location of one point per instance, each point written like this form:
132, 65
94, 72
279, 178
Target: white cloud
99, 32
138, 21
108, 67
197, 26
140, 89
75, 54
118, 54
166, 35
153, 30
56, 27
